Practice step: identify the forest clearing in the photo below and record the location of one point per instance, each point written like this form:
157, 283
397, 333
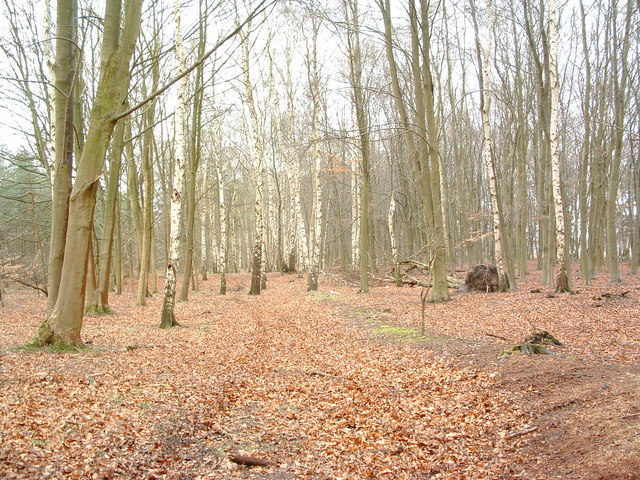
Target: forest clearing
327, 385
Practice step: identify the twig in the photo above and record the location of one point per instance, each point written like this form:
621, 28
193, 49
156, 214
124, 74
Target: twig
323, 374
632, 415
497, 336
519, 433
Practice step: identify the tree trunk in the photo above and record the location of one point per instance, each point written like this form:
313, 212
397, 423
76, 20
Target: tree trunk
563, 277
63, 142
63, 324
314, 87
256, 270
168, 319
358, 91
108, 231
484, 60
440, 289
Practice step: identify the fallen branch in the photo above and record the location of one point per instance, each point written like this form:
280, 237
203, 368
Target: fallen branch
248, 461
632, 415
497, 336
323, 374
30, 285
520, 433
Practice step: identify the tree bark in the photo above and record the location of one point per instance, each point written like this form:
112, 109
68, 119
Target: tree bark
63, 324
563, 277
168, 318
63, 143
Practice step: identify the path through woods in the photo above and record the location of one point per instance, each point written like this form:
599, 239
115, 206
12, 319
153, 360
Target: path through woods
327, 385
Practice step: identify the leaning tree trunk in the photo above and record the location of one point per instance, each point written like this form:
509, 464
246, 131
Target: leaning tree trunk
484, 59
168, 318
106, 245
63, 323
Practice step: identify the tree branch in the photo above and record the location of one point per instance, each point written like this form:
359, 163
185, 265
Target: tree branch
262, 6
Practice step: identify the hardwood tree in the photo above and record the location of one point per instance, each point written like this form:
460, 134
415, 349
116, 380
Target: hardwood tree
63, 322
168, 319
562, 278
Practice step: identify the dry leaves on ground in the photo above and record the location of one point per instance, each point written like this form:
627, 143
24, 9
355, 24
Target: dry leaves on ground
286, 377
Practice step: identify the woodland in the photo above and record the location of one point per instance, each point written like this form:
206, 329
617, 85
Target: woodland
305, 239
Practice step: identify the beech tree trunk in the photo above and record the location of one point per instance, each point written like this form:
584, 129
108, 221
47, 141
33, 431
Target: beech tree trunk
63, 143
63, 324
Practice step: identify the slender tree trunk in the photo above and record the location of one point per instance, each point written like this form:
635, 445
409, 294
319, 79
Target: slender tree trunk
194, 158
222, 213
392, 240
620, 76
256, 271
355, 211
147, 211
314, 87
439, 289
484, 60
358, 90
108, 231
62, 129
117, 255
563, 277
585, 263
168, 318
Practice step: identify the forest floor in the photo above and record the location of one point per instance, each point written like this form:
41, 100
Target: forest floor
328, 385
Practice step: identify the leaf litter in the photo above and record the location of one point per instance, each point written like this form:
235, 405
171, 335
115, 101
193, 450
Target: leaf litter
294, 382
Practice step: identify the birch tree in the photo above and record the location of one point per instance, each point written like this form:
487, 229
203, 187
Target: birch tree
314, 88
562, 278
484, 60
168, 319
258, 154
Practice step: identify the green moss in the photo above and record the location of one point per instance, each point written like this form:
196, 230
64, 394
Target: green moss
324, 297
400, 334
98, 310
56, 347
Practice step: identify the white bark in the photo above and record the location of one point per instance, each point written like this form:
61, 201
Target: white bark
258, 153
51, 91
562, 278
487, 145
168, 317
222, 212
392, 239
355, 212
